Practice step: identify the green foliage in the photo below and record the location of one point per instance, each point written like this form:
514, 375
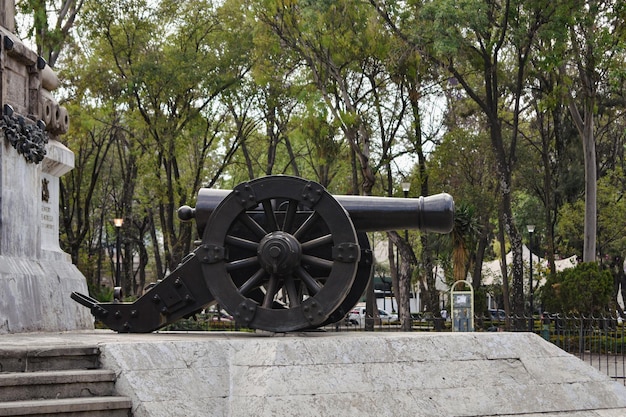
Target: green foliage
611, 218
585, 289
463, 238
183, 88
102, 293
480, 301
570, 228
528, 209
612, 213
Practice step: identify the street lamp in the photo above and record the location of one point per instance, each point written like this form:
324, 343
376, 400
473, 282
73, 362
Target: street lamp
406, 186
118, 225
531, 229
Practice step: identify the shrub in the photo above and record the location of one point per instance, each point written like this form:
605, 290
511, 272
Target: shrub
584, 289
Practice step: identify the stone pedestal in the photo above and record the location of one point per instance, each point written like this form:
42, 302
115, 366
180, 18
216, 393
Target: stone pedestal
36, 276
356, 374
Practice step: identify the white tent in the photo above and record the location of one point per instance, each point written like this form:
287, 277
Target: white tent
492, 272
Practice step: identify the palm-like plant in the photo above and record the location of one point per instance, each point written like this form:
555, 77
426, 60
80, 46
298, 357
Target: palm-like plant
463, 235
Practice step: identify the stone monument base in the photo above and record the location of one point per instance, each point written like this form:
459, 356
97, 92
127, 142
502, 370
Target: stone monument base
356, 374
36, 296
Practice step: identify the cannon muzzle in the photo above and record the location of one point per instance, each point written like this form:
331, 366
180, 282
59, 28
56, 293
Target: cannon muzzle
431, 214
368, 214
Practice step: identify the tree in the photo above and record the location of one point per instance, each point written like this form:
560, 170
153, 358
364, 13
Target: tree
475, 38
336, 55
551, 139
463, 166
462, 237
596, 38
343, 49
611, 219
50, 33
170, 86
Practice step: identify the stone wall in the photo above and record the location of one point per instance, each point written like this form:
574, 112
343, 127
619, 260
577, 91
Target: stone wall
357, 374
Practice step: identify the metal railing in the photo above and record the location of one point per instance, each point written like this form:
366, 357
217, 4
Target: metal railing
600, 341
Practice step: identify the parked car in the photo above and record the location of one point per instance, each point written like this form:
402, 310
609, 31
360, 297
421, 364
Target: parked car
356, 316
221, 315
423, 317
497, 315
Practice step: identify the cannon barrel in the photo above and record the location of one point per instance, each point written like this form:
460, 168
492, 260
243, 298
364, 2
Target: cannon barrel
434, 213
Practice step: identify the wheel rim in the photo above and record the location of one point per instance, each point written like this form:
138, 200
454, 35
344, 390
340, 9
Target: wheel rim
362, 277
280, 254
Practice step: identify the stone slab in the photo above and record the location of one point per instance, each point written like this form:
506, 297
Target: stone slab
360, 374
230, 374
35, 296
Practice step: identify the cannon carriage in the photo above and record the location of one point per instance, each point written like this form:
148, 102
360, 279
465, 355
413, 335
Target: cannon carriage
278, 253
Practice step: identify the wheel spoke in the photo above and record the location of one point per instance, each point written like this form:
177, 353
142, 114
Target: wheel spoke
290, 216
272, 289
242, 263
272, 224
292, 292
310, 221
313, 286
241, 243
254, 281
318, 262
320, 241
252, 225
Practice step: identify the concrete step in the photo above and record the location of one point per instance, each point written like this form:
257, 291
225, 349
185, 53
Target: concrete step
58, 381
20, 386
74, 407
48, 358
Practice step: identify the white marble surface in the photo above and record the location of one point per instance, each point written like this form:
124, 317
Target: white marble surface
35, 296
36, 276
359, 374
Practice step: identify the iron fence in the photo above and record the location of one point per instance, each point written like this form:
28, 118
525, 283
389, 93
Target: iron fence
599, 341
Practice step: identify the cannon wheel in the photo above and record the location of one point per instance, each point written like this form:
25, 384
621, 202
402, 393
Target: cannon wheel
280, 254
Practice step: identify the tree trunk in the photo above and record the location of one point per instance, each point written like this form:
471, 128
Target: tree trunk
506, 217
589, 148
585, 129
503, 268
478, 262
404, 280
394, 266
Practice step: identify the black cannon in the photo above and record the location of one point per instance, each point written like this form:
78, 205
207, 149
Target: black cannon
278, 253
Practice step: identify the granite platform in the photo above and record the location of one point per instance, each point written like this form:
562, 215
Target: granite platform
345, 374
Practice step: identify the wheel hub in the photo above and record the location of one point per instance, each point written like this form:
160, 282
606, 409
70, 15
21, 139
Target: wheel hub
279, 253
